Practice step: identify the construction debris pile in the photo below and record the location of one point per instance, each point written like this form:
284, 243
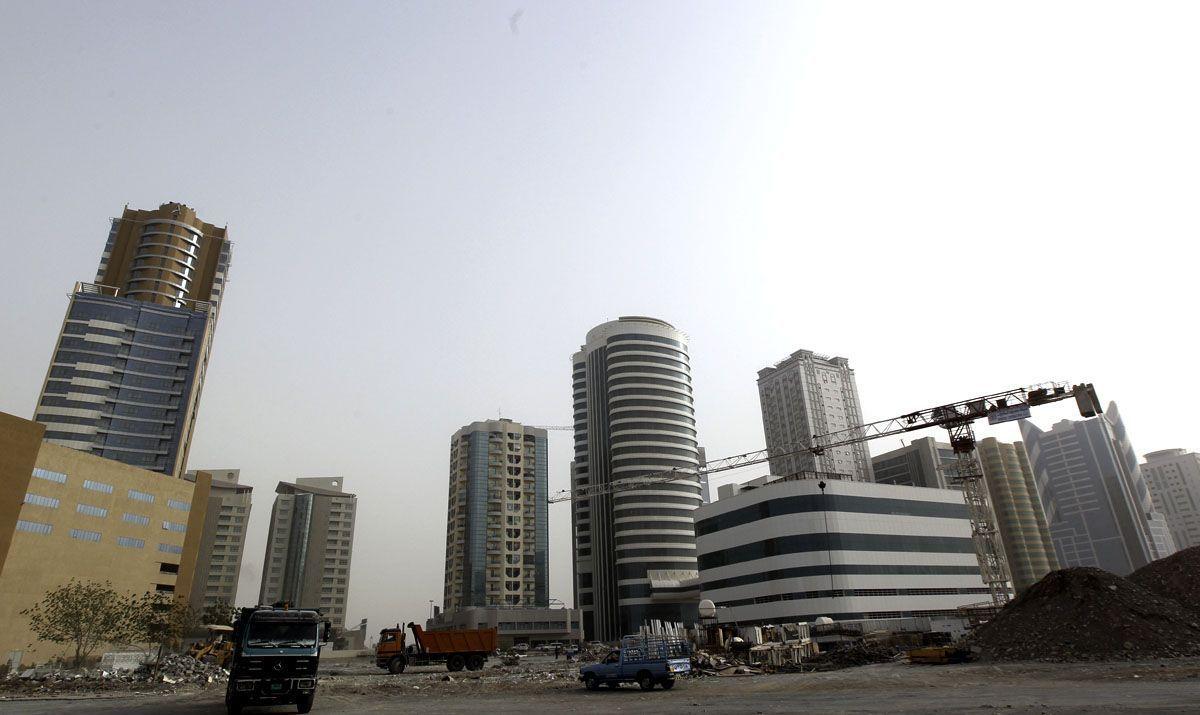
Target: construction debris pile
186, 669
851, 655
173, 672
1089, 614
1176, 577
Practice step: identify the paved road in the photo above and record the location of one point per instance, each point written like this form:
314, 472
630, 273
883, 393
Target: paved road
889, 688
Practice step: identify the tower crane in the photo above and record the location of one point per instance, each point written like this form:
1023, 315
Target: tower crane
957, 418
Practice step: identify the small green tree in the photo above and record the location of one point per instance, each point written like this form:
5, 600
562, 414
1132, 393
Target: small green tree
84, 614
160, 620
220, 613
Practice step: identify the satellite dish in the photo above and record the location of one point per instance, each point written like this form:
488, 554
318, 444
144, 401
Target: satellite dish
708, 609
823, 621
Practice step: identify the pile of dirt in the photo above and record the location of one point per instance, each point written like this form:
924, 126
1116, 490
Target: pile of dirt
1176, 577
1089, 614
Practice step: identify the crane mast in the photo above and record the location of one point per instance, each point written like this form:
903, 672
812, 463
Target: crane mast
956, 418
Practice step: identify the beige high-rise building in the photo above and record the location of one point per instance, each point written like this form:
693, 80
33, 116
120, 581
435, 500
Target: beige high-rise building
66, 515
307, 562
1019, 514
497, 540
1173, 476
809, 394
125, 377
219, 562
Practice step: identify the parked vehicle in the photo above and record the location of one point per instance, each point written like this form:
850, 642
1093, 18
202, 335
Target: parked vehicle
458, 649
274, 658
645, 660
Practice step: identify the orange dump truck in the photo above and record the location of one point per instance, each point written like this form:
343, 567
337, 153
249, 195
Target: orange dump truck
458, 649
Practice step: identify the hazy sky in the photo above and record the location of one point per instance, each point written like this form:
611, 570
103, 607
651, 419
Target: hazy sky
431, 203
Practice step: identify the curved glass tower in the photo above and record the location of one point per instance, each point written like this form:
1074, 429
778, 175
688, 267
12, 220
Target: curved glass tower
634, 416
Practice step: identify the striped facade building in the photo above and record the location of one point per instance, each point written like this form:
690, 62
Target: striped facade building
633, 416
125, 378
781, 550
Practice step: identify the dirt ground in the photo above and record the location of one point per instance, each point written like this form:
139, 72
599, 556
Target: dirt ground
1158, 686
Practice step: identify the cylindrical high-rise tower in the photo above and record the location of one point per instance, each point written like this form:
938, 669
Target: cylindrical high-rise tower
633, 416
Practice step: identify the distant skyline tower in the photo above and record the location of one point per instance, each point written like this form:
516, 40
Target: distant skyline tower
223, 541
1097, 504
125, 379
307, 562
634, 415
497, 541
809, 394
1174, 479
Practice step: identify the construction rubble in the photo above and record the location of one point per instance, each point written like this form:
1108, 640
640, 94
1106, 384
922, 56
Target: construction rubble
173, 673
1088, 614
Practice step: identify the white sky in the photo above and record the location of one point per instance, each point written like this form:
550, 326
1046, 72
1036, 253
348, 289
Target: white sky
430, 210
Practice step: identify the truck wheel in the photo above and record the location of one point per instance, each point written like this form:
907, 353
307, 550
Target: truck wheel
305, 703
475, 662
590, 682
645, 681
668, 684
396, 665
454, 663
233, 706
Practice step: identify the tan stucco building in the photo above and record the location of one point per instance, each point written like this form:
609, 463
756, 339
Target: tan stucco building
66, 514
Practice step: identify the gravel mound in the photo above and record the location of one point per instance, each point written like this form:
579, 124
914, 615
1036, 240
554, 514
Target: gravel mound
1089, 614
1176, 577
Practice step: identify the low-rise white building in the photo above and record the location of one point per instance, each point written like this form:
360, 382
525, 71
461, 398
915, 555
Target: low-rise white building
778, 550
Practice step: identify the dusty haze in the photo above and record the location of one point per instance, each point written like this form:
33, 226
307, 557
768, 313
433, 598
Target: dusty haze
432, 203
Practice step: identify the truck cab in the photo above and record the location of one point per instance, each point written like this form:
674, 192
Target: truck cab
274, 659
645, 660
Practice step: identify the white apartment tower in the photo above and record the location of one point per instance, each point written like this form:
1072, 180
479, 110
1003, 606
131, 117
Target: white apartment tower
497, 539
1174, 479
307, 563
219, 562
805, 395
632, 388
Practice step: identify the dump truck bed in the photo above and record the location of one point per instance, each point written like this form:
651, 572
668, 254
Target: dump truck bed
482, 640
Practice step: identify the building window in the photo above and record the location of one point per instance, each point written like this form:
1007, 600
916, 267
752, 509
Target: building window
180, 505
98, 486
130, 542
39, 500
170, 549
57, 477
90, 510
85, 535
33, 527
173, 526
141, 496
135, 519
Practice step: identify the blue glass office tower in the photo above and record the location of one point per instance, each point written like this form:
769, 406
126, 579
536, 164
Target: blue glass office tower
125, 379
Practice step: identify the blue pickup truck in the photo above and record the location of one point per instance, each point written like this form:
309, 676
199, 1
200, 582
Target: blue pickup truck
645, 660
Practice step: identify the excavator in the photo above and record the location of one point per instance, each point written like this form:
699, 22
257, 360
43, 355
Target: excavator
217, 648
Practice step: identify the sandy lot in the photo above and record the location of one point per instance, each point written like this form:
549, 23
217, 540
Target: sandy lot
1160, 686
